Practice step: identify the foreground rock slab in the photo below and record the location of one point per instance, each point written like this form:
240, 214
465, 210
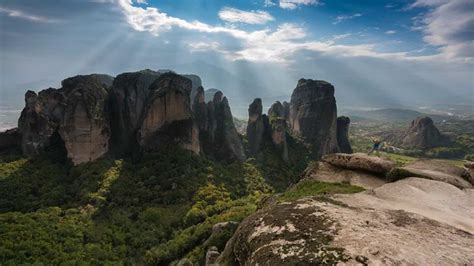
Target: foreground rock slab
360, 161
401, 223
326, 172
434, 170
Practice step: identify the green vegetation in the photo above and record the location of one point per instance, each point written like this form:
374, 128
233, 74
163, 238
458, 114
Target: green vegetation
154, 211
280, 174
307, 188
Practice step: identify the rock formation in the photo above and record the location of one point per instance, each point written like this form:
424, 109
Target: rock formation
434, 170
343, 134
360, 161
422, 134
129, 94
313, 115
255, 127
278, 115
167, 119
85, 127
10, 139
40, 119
384, 225
217, 134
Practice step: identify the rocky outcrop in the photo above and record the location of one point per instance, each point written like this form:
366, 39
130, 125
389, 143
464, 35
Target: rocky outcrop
434, 170
325, 172
167, 119
360, 161
343, 134
278, 115
40, 119
422, 134
9, 139
219, 138
313, 115
129, 95
382, 226
85, 127
200, 109
196, 82
255, 127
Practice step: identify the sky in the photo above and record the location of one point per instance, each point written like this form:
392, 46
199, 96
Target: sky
408, 53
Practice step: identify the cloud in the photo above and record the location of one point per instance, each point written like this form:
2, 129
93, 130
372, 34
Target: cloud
279, 45
234, 15
391, 32
449, 24
292, 4
340, 19
268, 3
26, 16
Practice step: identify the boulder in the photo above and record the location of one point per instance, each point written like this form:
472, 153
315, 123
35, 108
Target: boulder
85, 126
325, 172
343, 134
40, 119
379, 227
469, 166
129, 94
167, 118
255, 127
360, 161
434, 170
211, 256
10, 139
422, 134
313, 116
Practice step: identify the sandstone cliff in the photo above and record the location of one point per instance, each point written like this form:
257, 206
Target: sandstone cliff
255, 127
84, 126
167, 119
423, 134
219, 138
343, 134
313, 116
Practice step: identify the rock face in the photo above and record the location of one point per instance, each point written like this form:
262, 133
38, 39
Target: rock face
167, 119
218, 136
343, 134
313, 115
434, 170
422, 134
325, 172
85, 127
382, 226
360, 161
255, 127
40, 119
278, 115
10, 139
97, 115
129, 95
